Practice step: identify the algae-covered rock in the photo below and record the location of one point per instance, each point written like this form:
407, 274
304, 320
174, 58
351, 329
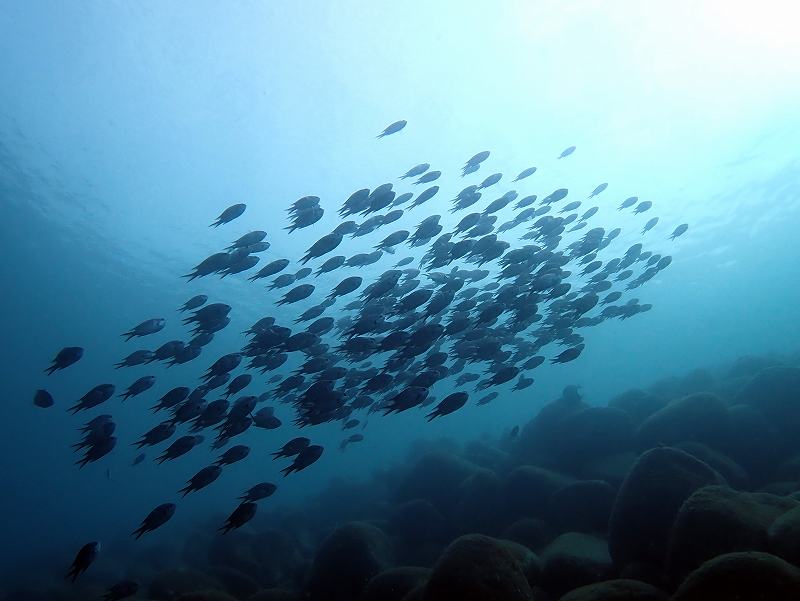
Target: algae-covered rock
702, 417
648, 501
277, 594
613, 468
638, 404
478, 568
484, 455
530, 562
733, 473
753, 442
539, 436
280, 557
775, 392
531, 532
235, 550
210, 595
616, 590
170, 584
237, 583
748, 575
347, 560
527, 491
477, 496
436, 478
715, 520
583, 506
416, 522
574, 559
394, 584
591, 432
784, 535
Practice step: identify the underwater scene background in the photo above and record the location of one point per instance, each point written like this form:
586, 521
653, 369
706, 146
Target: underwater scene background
671, 472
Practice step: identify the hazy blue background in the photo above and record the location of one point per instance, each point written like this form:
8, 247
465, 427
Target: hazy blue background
126, 127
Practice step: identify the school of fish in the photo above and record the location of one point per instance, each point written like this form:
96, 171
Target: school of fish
482, 309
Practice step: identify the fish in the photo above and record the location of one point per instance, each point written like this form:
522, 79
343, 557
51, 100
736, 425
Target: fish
566, 152
69, 355
306, 457
449, 404
353, 438
138, 387
599, 189
427, 178
525, 173
649, 225
155, 519
136, 358
292, 448
247, 240
83, 559
322, 247
416, 170
96, 396
43, 399
147, 327
259, 491
201, 479
679, 231
245, 512
393, 128
270, 269
229, 214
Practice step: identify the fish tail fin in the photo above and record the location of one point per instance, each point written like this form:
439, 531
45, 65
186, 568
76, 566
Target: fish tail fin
50, 370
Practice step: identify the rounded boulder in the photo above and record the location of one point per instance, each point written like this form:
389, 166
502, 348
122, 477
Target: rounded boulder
478, 568
648, 501
745, 575
347, 560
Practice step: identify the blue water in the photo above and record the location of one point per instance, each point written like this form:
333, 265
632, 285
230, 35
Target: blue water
125, 128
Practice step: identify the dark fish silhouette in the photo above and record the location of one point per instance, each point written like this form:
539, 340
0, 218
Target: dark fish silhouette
43, 399
392, 129
525, 173
229, 214
307, 456
679, 231
566, 152
155, 519
416, 170
292, 448
65, 357
151, 326
259, 491
85, 557
598, 190
449, 404
245, 512
201, 479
